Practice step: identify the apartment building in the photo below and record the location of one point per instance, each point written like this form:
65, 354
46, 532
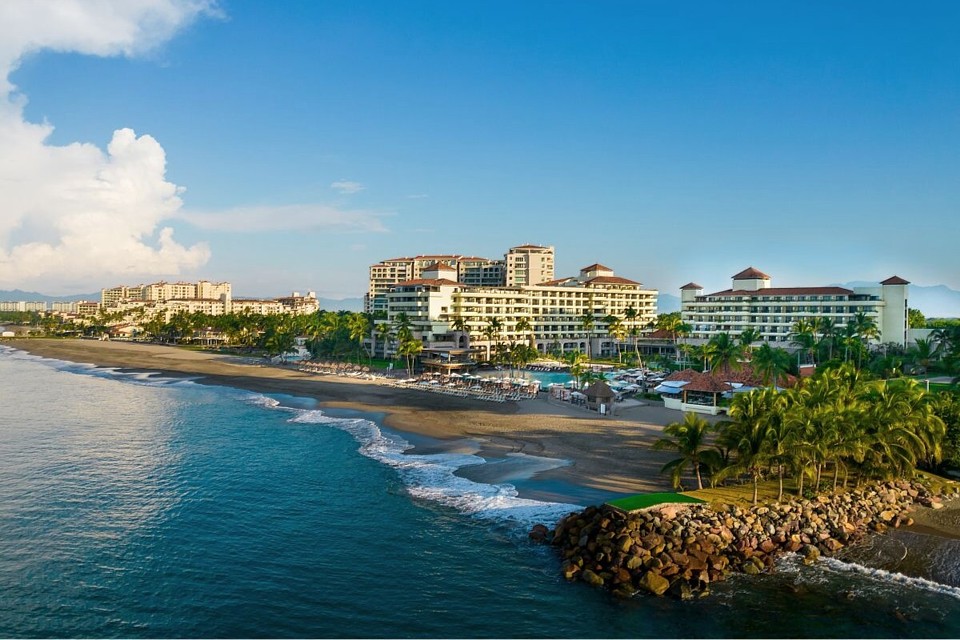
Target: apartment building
528, 264
164, 291
436, 306
23, 306
751, 302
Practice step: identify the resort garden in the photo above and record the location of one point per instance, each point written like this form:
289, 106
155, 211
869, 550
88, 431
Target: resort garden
841, 427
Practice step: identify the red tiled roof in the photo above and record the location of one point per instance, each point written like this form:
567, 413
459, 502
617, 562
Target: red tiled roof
529, 246
437, 266
751, 274
660, 334
685, 375
895, 280
707, 383
785, 291
610, 280
596, 267
691, 285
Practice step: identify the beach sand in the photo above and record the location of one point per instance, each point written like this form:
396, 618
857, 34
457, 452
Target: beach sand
605, 453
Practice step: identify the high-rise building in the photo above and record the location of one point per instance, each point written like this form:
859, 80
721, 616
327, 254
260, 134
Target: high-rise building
528, 264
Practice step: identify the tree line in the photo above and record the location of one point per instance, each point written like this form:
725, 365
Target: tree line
837, 427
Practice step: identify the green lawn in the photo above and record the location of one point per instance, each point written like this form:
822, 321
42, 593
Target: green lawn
644, 500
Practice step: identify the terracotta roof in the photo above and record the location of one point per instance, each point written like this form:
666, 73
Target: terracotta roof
610, 280
426, 281
750, 274
785, 291
660, 334
441, 256
596, 267
895, 280
707, 383
529, 246
686, 375
691, 285
437, 266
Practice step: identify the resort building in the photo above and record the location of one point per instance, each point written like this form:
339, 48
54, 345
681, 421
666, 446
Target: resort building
528, 264
752, 302
525, 264
23, 306
565, 315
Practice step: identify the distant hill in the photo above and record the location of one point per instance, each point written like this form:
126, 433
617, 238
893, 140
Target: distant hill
345, 304
667, 303
934, 301
17, 295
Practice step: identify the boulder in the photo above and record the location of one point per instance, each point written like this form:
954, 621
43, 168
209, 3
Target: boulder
591, 578
654, 583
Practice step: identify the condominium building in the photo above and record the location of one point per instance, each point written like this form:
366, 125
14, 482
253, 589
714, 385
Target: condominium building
528, 264
752, 302
568, 314
163, 291
522, 265
23, 306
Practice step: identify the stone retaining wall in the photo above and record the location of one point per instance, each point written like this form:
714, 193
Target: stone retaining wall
683, 549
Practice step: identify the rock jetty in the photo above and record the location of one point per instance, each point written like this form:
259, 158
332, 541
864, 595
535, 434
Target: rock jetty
681, 550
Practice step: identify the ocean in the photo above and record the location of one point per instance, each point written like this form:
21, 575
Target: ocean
134, 505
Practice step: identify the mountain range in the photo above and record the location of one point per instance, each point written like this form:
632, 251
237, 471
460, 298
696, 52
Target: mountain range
934, 301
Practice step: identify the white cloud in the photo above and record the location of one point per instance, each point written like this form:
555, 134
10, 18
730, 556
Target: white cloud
347, 187
74, 213
316, 217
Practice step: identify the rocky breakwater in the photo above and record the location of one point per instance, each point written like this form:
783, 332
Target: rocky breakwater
682, 549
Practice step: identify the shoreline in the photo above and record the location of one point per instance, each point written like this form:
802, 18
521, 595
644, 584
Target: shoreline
608, 454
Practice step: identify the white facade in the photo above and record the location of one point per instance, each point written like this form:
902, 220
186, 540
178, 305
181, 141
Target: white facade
555, 311
752, 302
23, 305
528, 264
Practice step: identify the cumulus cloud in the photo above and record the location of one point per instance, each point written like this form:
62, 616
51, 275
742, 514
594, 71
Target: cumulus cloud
347, 187
77, 214
307, 217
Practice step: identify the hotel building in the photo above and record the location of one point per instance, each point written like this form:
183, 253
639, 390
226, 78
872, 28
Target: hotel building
752, 302
525, 264
435, 304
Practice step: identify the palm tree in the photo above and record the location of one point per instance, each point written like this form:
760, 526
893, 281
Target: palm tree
617, 331
587, 320
747, 337
746, 434
409, 348
359, 325
723, 353
689, 440
525, 326
804, 335
382, 333
491, 332
578, 365
771, 363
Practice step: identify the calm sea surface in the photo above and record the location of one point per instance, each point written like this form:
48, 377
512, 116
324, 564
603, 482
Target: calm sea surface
137, 506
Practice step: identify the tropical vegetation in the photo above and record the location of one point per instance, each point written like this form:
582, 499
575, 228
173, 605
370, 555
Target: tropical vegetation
837, 427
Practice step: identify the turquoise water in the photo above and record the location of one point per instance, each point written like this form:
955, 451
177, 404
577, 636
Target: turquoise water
137, 506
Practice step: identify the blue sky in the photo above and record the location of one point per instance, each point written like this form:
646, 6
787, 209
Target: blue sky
303, 141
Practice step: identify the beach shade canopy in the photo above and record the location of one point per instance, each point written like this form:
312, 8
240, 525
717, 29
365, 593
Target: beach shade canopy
599, 390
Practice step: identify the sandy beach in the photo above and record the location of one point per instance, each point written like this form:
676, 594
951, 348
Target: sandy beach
606, 453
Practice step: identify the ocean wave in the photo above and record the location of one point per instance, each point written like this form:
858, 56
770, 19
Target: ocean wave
886, 578
432, 477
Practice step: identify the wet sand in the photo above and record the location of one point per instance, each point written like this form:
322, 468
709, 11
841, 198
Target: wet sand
605, 453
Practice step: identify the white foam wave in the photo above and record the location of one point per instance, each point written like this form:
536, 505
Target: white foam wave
890, 577
432, 477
